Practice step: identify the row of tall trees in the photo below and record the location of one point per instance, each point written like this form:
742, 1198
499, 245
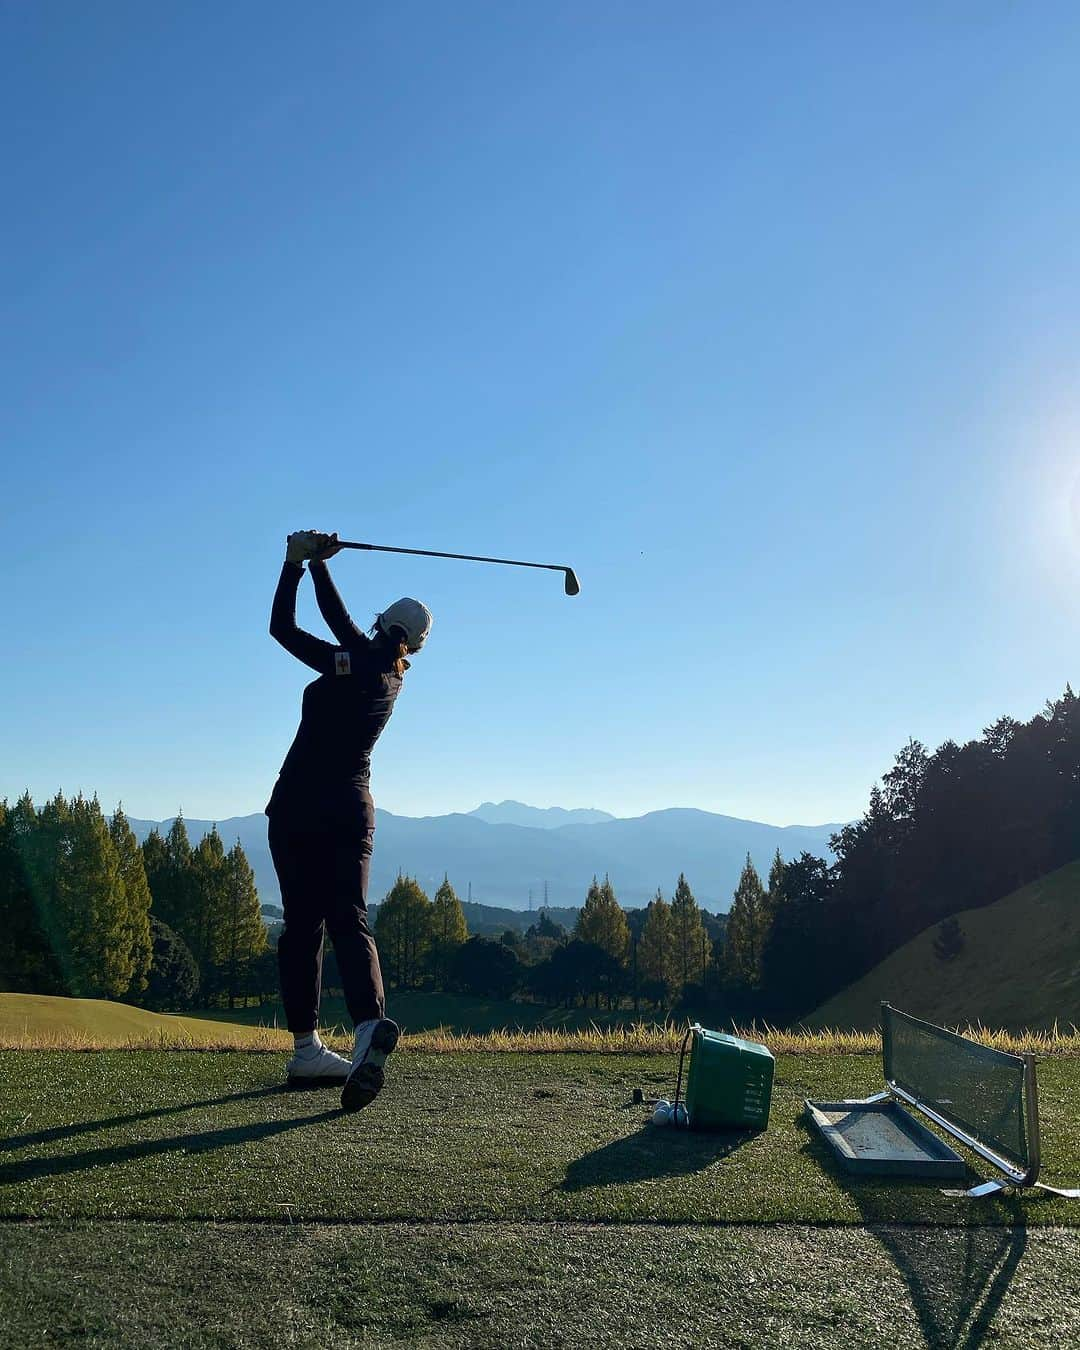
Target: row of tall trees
74, 902
418, 938
651, 955
674, 950
208, 897
88, 912
945, 831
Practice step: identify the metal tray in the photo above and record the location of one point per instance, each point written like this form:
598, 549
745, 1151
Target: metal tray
880, 1138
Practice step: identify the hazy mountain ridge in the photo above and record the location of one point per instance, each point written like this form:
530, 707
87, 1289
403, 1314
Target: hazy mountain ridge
503, 862
511, 812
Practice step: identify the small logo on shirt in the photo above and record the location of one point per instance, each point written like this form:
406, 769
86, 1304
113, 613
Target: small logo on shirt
342, 663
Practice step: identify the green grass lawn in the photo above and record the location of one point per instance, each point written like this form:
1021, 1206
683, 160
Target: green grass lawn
504, 1285
483, 1199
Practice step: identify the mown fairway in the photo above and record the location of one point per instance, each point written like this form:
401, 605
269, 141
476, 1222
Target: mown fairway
185, 1198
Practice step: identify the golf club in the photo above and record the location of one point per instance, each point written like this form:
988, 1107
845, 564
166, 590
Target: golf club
571, 585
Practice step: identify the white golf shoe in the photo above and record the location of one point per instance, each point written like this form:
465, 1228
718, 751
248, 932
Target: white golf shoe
374, 1041
318, 1068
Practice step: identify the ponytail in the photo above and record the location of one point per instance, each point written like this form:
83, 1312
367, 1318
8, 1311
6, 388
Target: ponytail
394, 645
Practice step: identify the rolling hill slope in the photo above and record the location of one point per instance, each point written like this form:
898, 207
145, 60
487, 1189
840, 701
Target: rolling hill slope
41, 1019
1019, 967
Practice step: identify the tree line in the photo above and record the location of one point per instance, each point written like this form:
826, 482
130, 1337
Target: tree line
87, 911
945, 831
651, 956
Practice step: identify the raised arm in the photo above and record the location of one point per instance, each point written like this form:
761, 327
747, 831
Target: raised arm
333, 608
313, 651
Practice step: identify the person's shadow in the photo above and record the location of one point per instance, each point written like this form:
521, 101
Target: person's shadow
957, 1270
33, 1169
650, 1153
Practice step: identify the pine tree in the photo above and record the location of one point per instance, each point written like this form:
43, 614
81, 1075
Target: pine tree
241, 938
772, 901
170, 876
403, 930
173, 983
742, 937
602, 923
448, 931
44, 836
203, 926
27, 960
89, 900
155, 856
656, 952
136, 898
691, 947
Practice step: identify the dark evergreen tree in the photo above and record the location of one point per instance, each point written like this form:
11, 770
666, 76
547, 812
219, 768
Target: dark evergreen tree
203, 922
743, 934
658, 961
136, 900
486, 969
173, 981
28, 959
241, 933
691, 946
577, 970
798, 959
155, 856
949, 941
170, 876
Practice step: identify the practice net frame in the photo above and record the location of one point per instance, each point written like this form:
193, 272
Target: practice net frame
985, 1098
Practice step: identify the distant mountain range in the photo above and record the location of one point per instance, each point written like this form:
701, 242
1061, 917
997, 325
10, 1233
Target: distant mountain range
539, 818
508, 863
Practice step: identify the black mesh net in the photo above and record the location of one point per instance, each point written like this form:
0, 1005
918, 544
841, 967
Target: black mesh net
975, 1088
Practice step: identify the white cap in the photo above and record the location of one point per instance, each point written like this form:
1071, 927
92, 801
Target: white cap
413, 618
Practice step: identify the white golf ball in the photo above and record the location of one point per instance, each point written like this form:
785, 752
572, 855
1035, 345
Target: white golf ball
662, 1114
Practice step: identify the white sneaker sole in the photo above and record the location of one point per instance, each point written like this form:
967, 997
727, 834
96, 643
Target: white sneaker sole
365, 1082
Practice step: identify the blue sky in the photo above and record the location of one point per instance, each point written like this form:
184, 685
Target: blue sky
761, 317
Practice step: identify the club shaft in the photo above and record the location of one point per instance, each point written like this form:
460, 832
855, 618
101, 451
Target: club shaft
465, 557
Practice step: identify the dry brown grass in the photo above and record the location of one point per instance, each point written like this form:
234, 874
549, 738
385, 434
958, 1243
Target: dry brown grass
636, 1039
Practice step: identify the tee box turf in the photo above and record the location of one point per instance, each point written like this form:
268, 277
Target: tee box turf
729, 1085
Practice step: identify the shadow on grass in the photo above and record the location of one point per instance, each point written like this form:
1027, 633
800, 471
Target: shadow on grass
648, 1154
204, 1141
957, 1277
957, 1257
60, 1132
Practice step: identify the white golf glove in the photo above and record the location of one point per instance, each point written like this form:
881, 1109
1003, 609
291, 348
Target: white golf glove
301, 545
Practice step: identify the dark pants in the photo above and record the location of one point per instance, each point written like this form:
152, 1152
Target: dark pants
323, 870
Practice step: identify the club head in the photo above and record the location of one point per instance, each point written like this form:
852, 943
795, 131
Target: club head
572, 587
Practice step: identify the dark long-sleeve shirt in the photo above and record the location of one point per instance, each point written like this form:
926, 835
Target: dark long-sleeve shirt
327, 772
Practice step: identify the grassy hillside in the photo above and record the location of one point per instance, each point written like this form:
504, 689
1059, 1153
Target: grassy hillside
1020, 967
66, 1021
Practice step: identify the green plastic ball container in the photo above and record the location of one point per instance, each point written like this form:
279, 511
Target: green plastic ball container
729, 1083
